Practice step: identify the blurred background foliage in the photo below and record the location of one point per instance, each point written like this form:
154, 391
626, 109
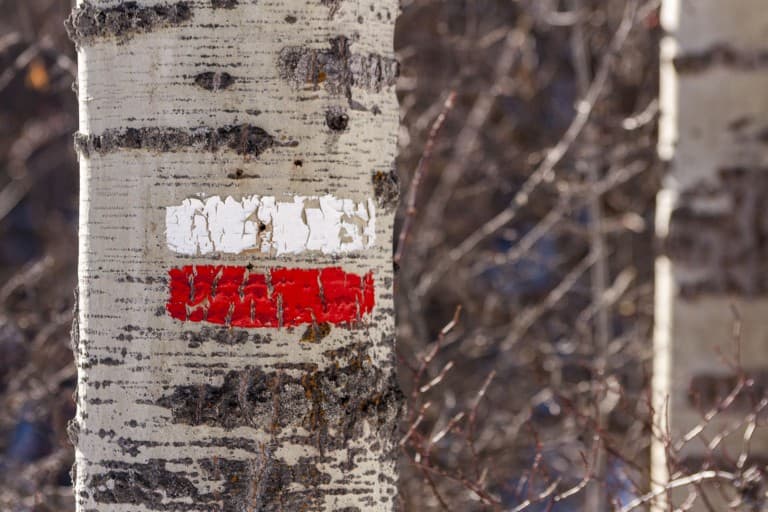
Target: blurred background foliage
555, 278
552, 344
38, 254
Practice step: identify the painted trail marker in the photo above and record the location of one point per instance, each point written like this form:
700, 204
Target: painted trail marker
331, 225
237, 297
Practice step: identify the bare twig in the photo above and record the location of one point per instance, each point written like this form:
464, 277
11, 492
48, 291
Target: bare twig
421, 170
700, 477
545, 171
467, 139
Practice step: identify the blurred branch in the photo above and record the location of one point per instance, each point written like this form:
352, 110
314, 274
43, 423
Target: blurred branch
571, 198
545, 171
421, 169
21, 62
697, 478
467, 138
526, 318
35, 136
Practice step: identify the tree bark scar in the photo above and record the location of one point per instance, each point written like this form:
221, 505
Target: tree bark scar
723, 249
268, 484
336, 68
264, 483
88, 22
721, 55
243, 139
214, 80
386, 187
145, 484
339, 398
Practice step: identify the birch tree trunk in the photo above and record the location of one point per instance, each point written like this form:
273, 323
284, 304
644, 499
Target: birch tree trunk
236, 327
713, 225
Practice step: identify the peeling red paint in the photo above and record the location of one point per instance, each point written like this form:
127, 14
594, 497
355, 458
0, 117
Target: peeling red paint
283, 297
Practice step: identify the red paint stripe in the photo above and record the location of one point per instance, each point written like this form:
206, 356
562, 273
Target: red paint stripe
284, 297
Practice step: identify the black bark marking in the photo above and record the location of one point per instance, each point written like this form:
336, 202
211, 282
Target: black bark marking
741, 123
214, 80
721, 55
224, 336
386, 188
338, 397
264, 483
336, 68
133, 447
223, 4
145, 484
74, 332
228, 405
87, 22
727, 251
336, 119
73, 431
333, 6
243, 139
708, 390
290, 19
240, 174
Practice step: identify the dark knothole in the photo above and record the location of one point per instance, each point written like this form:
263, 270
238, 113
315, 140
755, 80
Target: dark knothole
337, 120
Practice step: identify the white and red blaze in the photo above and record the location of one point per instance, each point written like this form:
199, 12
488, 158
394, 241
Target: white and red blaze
281, 297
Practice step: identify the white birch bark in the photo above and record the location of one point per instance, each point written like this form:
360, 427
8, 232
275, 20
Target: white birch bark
232, 98
711, 222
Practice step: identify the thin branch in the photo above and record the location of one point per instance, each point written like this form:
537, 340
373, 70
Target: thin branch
545, 171
467, 139
700, 477
418, 176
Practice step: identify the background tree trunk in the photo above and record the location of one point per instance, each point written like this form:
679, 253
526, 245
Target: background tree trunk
712, 223
236, 331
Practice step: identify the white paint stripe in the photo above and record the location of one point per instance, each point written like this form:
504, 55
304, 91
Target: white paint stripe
327, 224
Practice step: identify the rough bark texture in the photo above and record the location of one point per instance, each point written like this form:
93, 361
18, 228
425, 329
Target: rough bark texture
711, 219
179, 100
